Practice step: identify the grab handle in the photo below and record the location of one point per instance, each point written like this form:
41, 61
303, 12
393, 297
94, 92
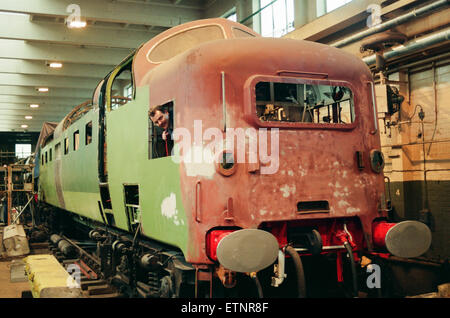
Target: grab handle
375, 119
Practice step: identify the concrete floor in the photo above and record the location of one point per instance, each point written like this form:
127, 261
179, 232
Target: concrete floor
8, 289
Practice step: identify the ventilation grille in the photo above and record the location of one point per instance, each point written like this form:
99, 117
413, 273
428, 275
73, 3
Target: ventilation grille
313, 207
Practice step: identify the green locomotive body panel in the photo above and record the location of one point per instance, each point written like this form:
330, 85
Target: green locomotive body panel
79, 170
70, 181
162, 213
47, 189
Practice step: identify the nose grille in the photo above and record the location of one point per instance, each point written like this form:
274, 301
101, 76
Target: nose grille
313, 207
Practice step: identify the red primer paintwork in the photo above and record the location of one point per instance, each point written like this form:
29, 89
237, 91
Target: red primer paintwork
316, 162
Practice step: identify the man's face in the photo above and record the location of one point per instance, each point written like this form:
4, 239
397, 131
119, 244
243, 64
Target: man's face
161, 119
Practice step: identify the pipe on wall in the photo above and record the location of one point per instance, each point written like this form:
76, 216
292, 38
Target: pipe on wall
392, 23
417, 45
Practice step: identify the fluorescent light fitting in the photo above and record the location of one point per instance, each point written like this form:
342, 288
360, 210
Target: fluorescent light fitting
24, 126
55, 65
34, 105
28, 117
76, 24
43, 89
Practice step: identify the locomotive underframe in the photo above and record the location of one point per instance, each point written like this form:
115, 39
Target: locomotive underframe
140, 267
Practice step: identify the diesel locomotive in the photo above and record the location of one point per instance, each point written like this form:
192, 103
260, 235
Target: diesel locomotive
276, 160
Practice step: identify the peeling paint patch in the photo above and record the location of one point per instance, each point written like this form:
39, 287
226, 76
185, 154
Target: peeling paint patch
169, 209
337, 185
291, 173
302, 171
352, 210
262, 212
288, 190
359, 184
343, 203
339, 193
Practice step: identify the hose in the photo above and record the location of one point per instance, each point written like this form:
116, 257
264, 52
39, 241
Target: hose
353, 267
299, 271
258, 285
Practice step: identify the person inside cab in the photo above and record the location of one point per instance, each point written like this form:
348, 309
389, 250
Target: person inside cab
162, 118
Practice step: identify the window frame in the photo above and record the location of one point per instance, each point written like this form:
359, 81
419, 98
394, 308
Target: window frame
270, 6
20, 154
86, 143
66, 145
76, 141
58, 154
127, 63
250, 102
171, 36
152, 129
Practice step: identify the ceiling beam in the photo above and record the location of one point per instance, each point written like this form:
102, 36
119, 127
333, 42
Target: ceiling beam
15, 126
24, 109
327, 24
54, 92
17, 27
13, 99
34, 33
47, 81
62, 53
14, 117
108, 11
40, 68
17, 118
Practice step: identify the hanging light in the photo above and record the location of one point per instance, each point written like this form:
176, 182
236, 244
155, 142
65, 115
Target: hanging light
55, 64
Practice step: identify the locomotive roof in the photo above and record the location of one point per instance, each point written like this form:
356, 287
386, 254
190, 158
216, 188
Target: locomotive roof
217, 28
184, 37
246, 44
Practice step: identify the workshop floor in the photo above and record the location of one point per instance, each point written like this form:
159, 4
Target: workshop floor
7, 288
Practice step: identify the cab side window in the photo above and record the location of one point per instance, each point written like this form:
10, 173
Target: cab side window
122, 89
160, 138
66, 145
88, 136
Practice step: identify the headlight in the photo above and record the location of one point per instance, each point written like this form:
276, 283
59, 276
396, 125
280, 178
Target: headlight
226, 163
376, 160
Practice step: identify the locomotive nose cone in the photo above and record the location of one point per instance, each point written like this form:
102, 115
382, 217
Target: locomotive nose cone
248, 250
408, 239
